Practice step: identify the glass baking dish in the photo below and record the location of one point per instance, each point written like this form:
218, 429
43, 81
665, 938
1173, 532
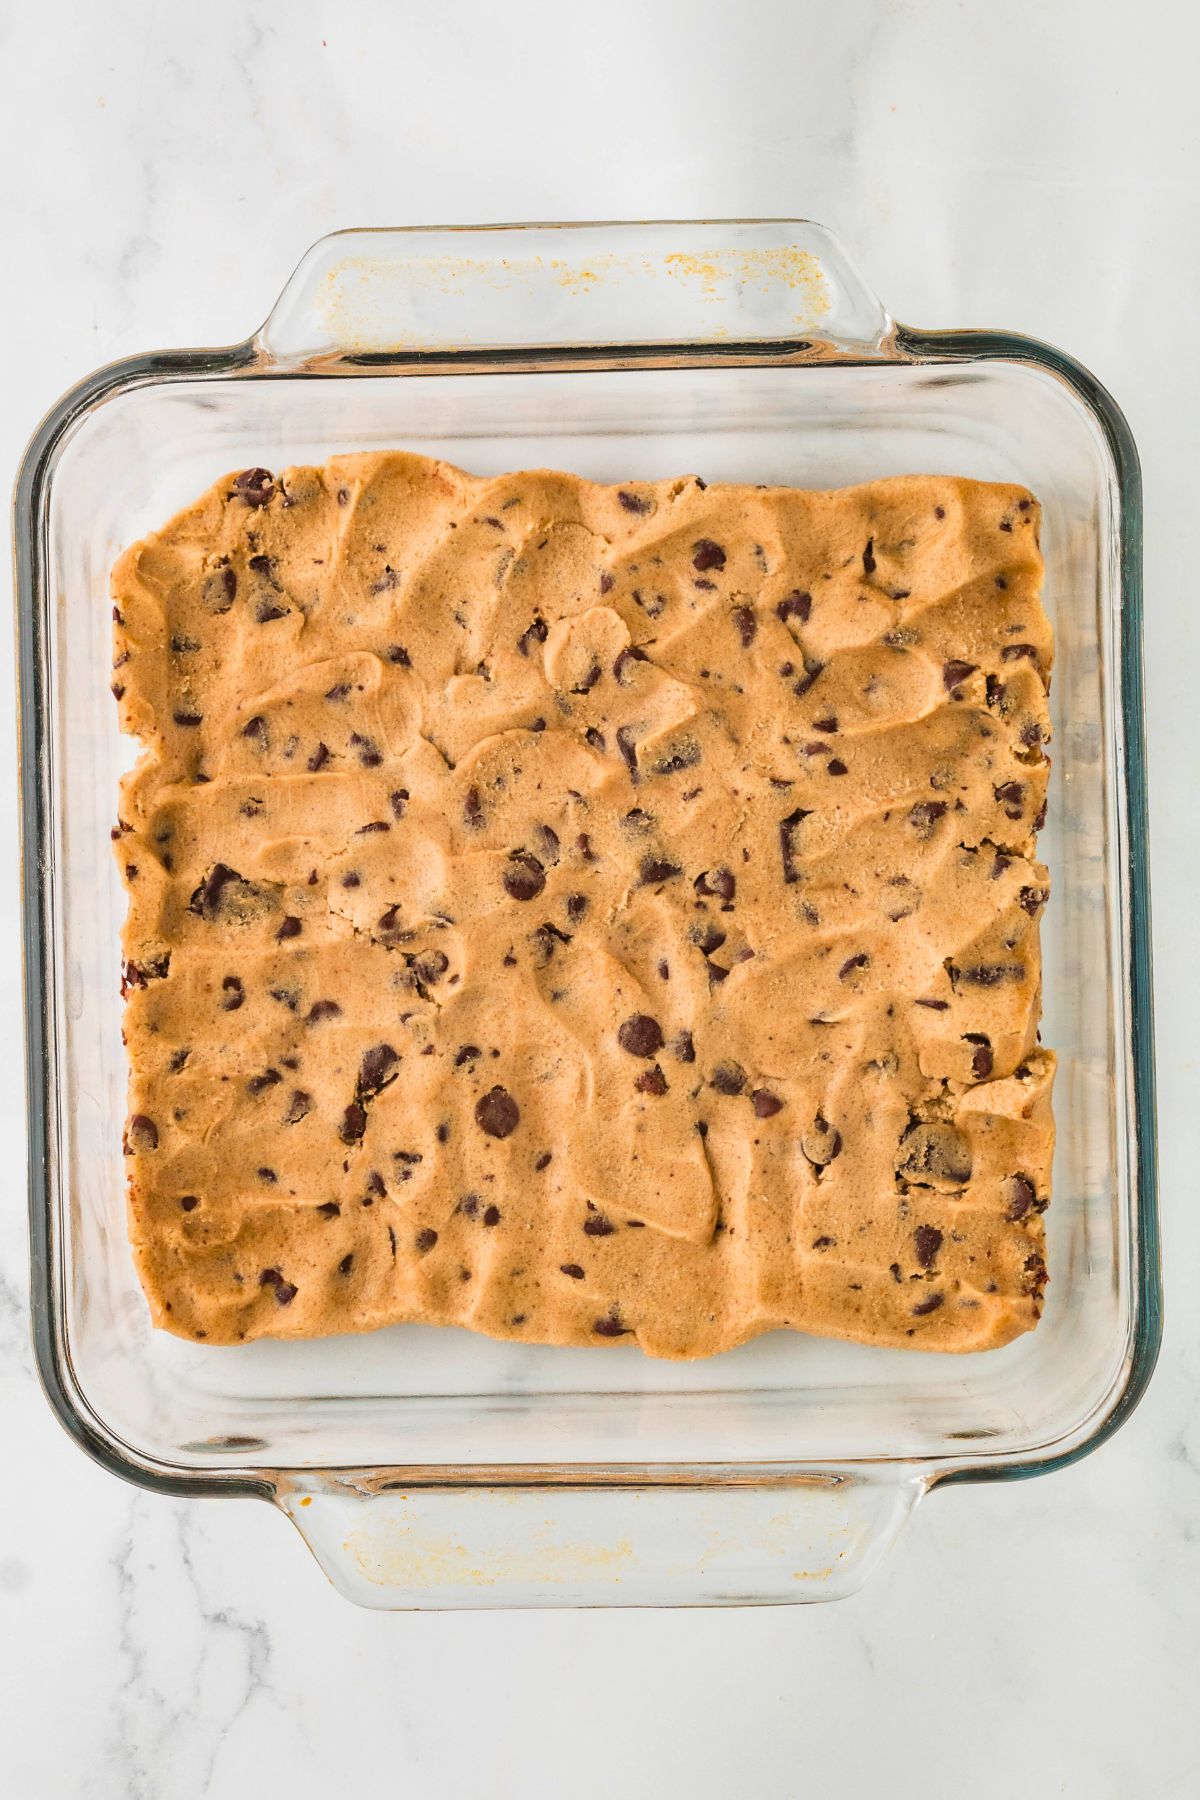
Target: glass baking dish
429, 1467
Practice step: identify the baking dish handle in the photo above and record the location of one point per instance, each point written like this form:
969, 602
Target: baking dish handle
380, 296
813, 1538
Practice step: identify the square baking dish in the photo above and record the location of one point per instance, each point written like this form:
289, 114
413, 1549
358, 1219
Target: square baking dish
429, 1467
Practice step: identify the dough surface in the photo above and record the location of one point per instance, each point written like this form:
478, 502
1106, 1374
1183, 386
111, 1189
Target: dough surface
586, 914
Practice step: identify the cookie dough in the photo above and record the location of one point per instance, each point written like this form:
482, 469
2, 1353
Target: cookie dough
586, 914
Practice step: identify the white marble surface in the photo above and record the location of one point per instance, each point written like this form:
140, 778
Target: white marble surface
1033, 165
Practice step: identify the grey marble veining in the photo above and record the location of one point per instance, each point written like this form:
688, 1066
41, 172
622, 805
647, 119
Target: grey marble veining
1031, 166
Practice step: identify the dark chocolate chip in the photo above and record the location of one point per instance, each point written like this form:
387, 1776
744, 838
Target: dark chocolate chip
797, 605
233, 993
954, 673
611, 1326
289, 928
634, 503
141, 1134
928, 1241
655, 869
766, 1104
982, 1060
926, 1307
1022, 1197
254, 487
497, 1113
299, 1107
322, 1009
258, 1084
596, 1225
707, 555
354, 1123
651, 1081
747, 625
869, 557
924, 816
683, 1048
426, 1239
524, 878
379, 1067
573, 1270
640, 1035
729, 1078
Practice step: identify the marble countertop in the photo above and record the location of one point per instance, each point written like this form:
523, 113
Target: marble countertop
1035, 167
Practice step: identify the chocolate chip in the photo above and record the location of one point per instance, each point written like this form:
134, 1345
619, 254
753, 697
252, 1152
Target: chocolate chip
632, 653
611, 1326
141, 1134
285, 1291
651, 1081
266, 611
379, 1066
354, 1123
924, 816
189, 720
797, 605
1032, 899
396, 653
707, 555
588, 681
597, 1225
836, 767
1022, 1197
787, 830
1015, 652
322, 1009
347, 1261
928, 1241
535, 633
939, 512
954, 673
1011, 795
933, 1153
720, 884
258, 1084
299, 1107
573, 1270
595, 739
369, 753
254, 487
729, 1078
747, 625
467, 1053
812, 668
178, 1060
189, 1202
255, 728
655, 869
497, 1113
682, 1047
233, 994
430, 966
640, 1035
861, 961
329, 1209
524, 878
827, 725
207, 899
628, 749
267, 1175
987, 974
925, 1307
426, 1239
290, 928
869, 557
766, 1104
318, 759
981, 1061
823, 1243
934, 1005
633, 503
822, 1142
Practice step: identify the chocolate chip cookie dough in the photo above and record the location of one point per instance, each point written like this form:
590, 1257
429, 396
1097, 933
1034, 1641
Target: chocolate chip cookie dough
586, 914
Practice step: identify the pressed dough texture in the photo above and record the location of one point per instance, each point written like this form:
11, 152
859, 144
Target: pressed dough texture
586, 914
